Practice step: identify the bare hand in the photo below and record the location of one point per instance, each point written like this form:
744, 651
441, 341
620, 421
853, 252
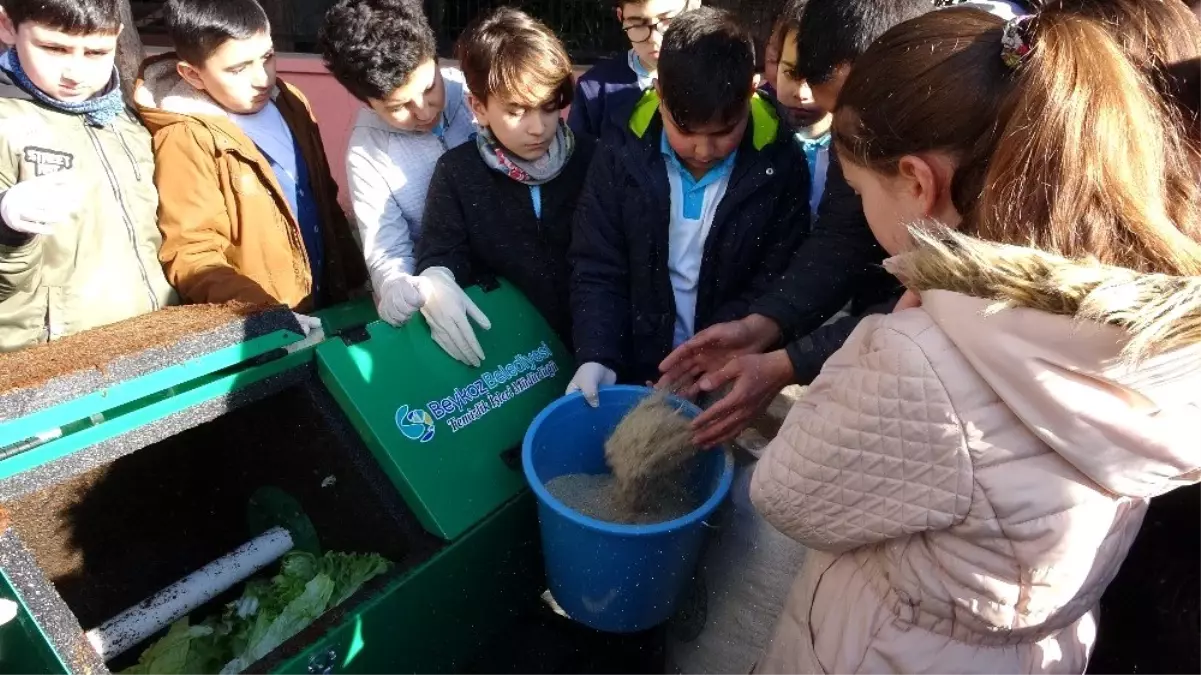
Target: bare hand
757, 379
711, 349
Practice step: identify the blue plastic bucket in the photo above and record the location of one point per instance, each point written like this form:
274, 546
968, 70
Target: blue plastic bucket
608, 576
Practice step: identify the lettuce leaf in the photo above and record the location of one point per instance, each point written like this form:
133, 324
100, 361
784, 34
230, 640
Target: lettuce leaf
269, 612
295, 617
184, 649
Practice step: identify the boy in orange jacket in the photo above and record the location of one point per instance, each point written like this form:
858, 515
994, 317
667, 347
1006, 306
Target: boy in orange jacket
248, 208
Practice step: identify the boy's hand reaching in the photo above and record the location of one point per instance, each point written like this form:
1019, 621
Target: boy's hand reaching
711, 349
447, 309
754, 381
38, 205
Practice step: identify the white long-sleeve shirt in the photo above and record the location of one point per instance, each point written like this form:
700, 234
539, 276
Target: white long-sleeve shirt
389, 172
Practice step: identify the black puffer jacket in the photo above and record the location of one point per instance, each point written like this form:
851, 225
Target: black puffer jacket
480, 224
622, 301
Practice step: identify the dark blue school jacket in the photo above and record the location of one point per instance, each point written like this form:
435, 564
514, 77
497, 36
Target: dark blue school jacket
609, 90
623, 308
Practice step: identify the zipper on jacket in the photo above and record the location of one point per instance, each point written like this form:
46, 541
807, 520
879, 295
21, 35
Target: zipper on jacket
137, 173
129, 224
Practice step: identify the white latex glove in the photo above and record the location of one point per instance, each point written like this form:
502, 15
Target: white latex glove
588, 380
37, 205
307, 323
447, 309
399, 299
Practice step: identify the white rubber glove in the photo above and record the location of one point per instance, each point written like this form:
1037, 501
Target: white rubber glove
447, 309
38, 205
588, 380
399, 299
307, 323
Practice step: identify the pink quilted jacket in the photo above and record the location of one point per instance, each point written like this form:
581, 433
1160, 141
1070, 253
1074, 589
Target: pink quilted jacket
971, 473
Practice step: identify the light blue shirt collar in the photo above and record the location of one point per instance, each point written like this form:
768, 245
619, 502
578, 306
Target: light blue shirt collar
723, 168
645, 79
692, 199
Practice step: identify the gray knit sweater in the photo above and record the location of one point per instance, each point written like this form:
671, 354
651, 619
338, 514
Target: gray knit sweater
389, 173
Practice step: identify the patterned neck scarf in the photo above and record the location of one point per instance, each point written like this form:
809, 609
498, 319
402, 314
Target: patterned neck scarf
99, 110
542, 170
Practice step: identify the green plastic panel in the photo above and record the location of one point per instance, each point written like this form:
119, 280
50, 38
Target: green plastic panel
24, 647
140, 412
439, 428
350, 314
435, 618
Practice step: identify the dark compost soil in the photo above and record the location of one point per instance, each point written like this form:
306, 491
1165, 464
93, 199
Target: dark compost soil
113, 536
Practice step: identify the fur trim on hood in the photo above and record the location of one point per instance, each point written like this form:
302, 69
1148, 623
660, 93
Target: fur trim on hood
1160, 312
1101, 363
162, 88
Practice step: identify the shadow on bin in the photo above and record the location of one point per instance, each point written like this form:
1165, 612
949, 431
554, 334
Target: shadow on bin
608, 576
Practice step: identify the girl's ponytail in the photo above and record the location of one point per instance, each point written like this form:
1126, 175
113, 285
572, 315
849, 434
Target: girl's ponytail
1088, 161
1060, 142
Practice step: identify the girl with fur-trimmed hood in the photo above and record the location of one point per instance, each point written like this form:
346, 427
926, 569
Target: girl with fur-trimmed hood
971, 471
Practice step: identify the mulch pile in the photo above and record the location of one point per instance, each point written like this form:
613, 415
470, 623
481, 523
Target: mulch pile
94, 349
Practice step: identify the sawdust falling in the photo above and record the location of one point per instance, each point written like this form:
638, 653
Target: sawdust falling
646, 451
648, 454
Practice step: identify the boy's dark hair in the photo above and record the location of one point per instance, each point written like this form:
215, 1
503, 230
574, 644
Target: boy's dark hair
373, 46
835, 32
198, 27
706, 67
508, 53
74, 17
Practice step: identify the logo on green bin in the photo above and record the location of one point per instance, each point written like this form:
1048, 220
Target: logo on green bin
416, 425
466, 405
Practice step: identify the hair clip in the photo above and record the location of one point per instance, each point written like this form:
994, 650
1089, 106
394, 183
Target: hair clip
1015, 40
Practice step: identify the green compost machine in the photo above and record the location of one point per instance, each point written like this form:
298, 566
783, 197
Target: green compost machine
134, 456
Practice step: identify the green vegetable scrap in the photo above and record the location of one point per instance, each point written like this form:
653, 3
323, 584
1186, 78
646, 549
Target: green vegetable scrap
267, 615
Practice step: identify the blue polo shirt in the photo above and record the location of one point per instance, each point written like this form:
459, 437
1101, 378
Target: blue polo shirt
693, 205
817, 156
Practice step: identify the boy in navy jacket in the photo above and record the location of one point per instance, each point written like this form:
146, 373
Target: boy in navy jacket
690, 215
608, 92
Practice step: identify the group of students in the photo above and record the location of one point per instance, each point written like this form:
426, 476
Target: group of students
988, 418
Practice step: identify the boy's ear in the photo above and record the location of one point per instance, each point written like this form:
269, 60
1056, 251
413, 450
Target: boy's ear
189, 75
8, 31
477, 108
621, 16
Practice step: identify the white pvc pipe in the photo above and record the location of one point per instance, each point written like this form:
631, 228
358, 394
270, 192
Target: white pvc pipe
146, 618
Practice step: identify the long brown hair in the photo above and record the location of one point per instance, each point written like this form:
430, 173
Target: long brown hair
1072, 152
1156, 36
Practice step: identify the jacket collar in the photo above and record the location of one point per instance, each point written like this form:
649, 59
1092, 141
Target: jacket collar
1159, 312
764, 124
162, 96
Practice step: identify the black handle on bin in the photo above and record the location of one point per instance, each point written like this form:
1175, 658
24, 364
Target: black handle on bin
512, 457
